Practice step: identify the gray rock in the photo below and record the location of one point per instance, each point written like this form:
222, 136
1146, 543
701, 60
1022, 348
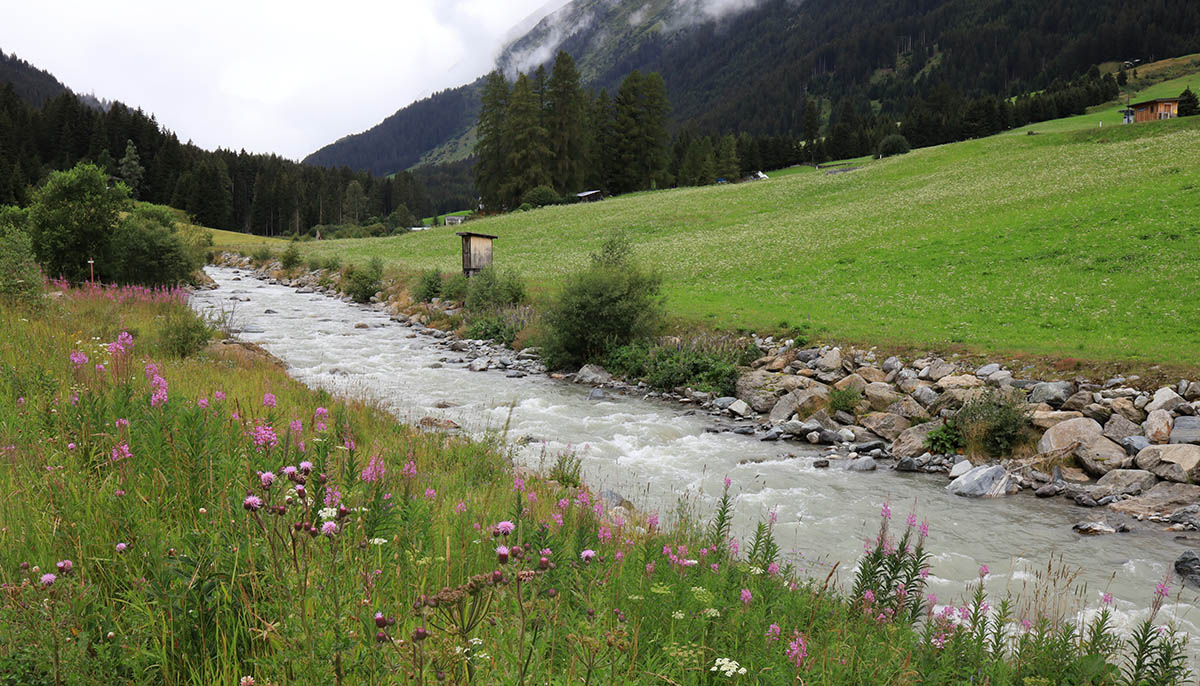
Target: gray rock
987, 370
907, 464
1163, 497
911, 441
1124, 482
724, 402
1188, 516
1002, 379
1078, 401
1118, 428
961, 468
592, 374
1179, 462
885, 424
1100, 457
843, 417
813, 437
938, 369
845, 435
479, 364
1186, 430
1098, 412
1053, 393
830, 361
925, 395
983, 482
1134, 444
820, 463
1081, 430
892, 364
772, 435
862, 464
1048, 491
1188, 568
1192, 392
1157, 426
594, 394
739, 408
880, 395
1164, 399
517, 374
1094, 528
761, 389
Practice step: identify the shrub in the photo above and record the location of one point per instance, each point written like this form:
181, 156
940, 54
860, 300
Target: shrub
362, 283
492, 327
72, 218
610, 303
147, 253
994, 424
261, 255
540, 196
290, 259
489, 290
844, 399
333, 263
895, 144
20, 278
455, 287
427, 286
671, 365
567, 469
184, 333
944, 440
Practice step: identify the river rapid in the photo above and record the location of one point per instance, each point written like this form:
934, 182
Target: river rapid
655, 454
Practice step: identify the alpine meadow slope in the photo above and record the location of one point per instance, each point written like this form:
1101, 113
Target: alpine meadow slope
1076, 244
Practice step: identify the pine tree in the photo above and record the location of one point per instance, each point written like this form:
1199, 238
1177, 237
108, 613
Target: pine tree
354, 202
491, 150
130, 169
640, 115
1188, 105
527, 164
566, 125
728, 167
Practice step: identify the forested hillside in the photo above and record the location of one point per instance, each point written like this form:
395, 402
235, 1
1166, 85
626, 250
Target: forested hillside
751, 70
263, 194
31, 84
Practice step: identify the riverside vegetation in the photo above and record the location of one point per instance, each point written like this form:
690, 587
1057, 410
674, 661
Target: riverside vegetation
178, 512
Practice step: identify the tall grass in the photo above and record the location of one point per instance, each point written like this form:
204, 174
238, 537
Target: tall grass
207, 520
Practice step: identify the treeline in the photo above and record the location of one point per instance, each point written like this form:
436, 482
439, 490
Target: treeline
547, 134
239, 191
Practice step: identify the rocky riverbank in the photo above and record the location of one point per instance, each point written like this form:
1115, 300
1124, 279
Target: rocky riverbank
1131, 452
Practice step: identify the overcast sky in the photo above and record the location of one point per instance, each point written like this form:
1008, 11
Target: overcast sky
282, 76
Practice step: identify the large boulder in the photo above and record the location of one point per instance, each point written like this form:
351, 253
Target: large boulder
924, 395
1100, 457
1078, 401
1126, 408
1081, 430
1186, 430
1157, 426
880, 395
1118, 427
830, 361
1164, 497
1188, 568
886, 424
854, 381
953, 399
983, 482
937, 370
871, 374
1044, 419
1179, 462
1124, 482
911, 441
760, 389
592, 374
909, 409
800, 402
1053, 393
1164, 399
959, 381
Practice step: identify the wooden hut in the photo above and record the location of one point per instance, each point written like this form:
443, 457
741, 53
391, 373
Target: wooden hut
476, 251
1152, 110
590, 196
454, 219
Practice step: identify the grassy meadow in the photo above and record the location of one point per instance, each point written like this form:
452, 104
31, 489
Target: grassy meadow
1079, 244
176, 514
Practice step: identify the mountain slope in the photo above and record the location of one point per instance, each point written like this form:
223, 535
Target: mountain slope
34, 86
743, 65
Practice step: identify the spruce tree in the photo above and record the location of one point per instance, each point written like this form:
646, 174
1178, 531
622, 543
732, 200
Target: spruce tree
130, 168
1188, 105
728, 167
566, 125
527, 164
640, 116
491, 150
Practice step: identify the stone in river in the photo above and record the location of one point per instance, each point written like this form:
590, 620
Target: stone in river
961, 468
983, 482
1124, 482
1094, 528
820, 463
1187, 566
862, 464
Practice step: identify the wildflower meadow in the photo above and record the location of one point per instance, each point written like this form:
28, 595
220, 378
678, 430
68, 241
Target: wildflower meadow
205, 519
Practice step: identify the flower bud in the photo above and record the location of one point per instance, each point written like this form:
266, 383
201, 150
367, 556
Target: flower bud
543, 563
380, 620
381, 636
420, 634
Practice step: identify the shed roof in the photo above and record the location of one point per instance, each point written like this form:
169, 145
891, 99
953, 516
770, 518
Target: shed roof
587, 193
1154, 101
472, 233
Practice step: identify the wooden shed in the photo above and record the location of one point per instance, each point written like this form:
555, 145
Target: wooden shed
590, 196
1152, 110
454, 219
476, 251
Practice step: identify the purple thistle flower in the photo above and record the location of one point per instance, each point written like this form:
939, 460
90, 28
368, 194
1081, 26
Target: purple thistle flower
306, 467
65, 566
502, 554
48, 579
121, 547
329, 529
505, 528
266, 479
252, 503
587, 555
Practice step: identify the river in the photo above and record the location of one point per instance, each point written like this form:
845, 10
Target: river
656, 453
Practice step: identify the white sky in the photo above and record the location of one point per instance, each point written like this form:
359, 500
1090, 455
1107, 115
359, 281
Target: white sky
285, 76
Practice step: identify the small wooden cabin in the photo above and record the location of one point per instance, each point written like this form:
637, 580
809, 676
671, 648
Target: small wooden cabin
454, 219
1152, 110
476, 251
590, 196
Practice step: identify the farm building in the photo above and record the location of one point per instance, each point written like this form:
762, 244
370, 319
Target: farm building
590, 196
476, 251
1152, 110
454, 219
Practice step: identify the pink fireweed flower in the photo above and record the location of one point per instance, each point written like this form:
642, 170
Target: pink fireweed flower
983, 571
125, 340
587, 555
1026, 624
320, 413
924, 529
773, 632
619, 556
218, 395
266, 479
1108, 599
932, 599
505, 528
773, 569
349, 444
924, 572
374, 471
333, 497
78, 359
121, 423
99, 367
563, 503
773, 516
747, 596
557, 517
797, 650
869, 596
150, 370
264, 437
650, 569
296, 426
268, 400
115, 349
430, 494
652, 520
886, 511
121, 452
714, 566
48, 580
410, 470
604, 535
519, 484
1162, 590
202, 403
728, 482
329, 529
252, 503
461, 507
159, 396
912, 520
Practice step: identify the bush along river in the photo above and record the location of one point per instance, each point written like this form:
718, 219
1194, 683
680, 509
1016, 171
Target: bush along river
658, 455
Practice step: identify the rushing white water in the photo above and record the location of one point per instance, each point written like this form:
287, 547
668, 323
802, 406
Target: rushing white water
655, 453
